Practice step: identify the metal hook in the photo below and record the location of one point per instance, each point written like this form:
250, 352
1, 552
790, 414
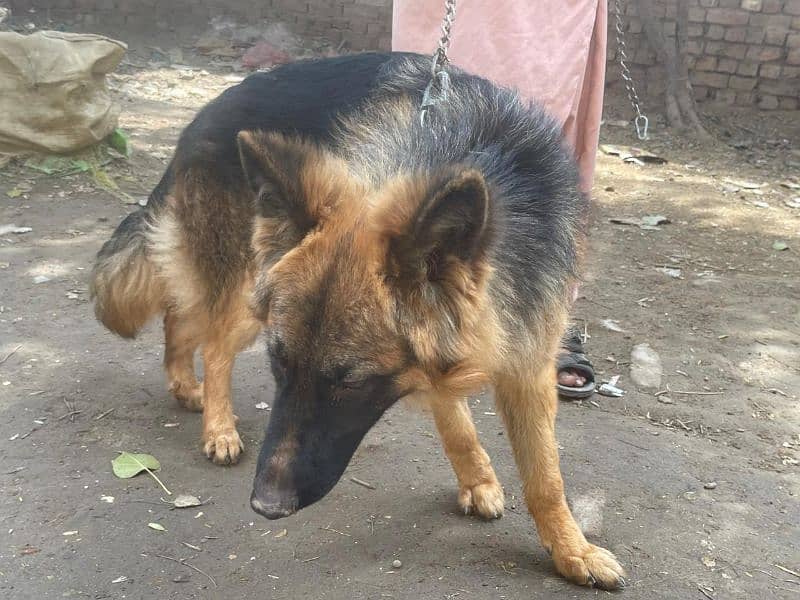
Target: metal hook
641, 124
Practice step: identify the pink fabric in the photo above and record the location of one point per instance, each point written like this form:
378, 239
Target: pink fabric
551, 51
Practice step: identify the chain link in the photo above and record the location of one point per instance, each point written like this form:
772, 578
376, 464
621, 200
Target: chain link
437, 89
641, 122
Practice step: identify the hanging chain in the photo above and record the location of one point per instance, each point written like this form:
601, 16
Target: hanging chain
641, 122
437, 89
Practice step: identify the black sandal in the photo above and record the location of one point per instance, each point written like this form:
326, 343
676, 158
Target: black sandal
573, 358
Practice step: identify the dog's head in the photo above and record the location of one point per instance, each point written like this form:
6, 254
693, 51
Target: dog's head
367, 295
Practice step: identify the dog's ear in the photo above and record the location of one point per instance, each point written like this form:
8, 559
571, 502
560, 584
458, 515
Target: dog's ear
452, 221
274, 167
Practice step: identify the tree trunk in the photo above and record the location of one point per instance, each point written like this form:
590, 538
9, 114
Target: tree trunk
681, 108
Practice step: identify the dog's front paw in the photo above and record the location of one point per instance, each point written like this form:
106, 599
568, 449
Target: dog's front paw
485, 500
592, 566
222, 445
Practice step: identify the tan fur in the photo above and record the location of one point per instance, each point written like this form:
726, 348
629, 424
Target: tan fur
127, 292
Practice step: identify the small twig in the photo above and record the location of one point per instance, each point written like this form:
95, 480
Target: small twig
105, 414
193, 547
182, 561
363, 483
310, 559
10, 354
698, 393
634, 445
765, 573
71, 413
705, 593
329, 528
776, 391
785, 570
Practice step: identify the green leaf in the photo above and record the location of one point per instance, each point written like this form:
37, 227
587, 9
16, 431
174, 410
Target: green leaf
119, 141
157, 526
126, 465
80, 165
104, 180
779, 245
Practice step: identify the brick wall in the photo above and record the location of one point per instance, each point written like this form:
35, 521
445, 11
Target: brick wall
360, 24
744, 52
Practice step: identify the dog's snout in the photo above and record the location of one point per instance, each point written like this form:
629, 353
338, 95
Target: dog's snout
274, 505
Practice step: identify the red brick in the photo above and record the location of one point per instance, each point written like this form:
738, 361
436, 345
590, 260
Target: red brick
743, 84
705, 63
791, 72
737, 51
736, 34
771, 6
696, 30
788, 103
725, 96
795, 23
727, 16
770, 71
726, 65
695, 46
780, 87
747, 69
697, 15
715, 32
764, 53
775, 36
767, 102
708, 3
755, 35
794, 57
709, 79
745, 98
793, 41
792, 7
779, 21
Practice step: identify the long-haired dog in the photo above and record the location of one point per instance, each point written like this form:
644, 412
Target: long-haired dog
384, 258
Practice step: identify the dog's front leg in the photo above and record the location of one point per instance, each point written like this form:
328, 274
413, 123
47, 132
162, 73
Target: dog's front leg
529, 408
479, 491
232, 332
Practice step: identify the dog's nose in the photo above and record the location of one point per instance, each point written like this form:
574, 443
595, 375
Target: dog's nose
273, 507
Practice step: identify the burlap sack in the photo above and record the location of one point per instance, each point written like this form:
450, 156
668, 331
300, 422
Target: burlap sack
53, 95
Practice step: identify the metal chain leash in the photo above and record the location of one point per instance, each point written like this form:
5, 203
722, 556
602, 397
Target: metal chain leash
641, 122
437, 89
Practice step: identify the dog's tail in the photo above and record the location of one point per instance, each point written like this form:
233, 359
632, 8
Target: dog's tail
125, 285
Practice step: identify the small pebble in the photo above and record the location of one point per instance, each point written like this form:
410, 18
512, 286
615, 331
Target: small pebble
710, 485
397, 564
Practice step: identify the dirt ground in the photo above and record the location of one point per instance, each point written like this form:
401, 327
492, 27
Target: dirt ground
695, 490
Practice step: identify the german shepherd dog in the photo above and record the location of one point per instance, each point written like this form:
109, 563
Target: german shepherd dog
384, 258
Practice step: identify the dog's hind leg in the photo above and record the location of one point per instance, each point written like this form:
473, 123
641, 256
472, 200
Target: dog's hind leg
231, 331
529, 406
479, 490
182, 337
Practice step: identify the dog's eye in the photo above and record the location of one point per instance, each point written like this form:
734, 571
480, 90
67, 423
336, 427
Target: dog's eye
352, 384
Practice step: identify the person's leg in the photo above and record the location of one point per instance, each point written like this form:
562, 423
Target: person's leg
575, 372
